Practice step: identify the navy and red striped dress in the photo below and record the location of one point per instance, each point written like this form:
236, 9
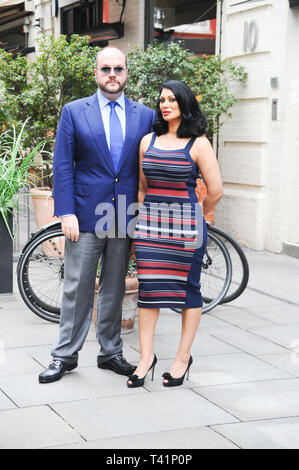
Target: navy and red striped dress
170, 235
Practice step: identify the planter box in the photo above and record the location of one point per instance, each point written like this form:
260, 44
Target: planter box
6, 257
43, 205
129, 306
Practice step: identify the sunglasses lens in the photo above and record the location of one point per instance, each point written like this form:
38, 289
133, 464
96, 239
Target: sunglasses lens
107, 70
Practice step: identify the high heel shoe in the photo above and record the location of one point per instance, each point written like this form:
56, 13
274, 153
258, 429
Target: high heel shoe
139, 381
173, 382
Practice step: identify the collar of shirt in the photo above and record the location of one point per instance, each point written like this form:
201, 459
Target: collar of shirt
105, 112
103, 100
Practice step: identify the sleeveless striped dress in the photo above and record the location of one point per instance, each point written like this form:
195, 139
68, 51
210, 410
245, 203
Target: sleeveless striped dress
170, 234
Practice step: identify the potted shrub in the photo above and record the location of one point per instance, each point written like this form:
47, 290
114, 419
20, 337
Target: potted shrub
15, 163
130, 298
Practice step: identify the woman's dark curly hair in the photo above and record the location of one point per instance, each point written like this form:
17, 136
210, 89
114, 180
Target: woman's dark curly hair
193, 123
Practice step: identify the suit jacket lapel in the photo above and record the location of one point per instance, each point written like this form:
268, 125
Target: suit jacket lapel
95, 122
132, 123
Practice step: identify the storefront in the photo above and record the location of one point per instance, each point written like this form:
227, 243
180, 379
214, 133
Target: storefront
15, 17
192, 22
120, 21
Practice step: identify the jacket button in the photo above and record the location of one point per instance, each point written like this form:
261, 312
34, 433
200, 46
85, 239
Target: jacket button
116, 180
113, 199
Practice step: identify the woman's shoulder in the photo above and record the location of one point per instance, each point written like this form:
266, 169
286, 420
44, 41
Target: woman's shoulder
202, 142
146, 140
201, 147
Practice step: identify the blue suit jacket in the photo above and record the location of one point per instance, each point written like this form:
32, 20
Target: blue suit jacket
83, 172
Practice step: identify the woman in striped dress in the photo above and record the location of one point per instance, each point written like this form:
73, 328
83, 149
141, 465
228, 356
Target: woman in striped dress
170, 236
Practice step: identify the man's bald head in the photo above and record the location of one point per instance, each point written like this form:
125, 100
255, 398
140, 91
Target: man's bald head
111, 72
111, 51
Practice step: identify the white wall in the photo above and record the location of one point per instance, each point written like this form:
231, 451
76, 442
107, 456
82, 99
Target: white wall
133, 19
258, 156
42, 10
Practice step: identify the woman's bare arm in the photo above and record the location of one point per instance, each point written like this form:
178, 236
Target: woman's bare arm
204, 155
144, 143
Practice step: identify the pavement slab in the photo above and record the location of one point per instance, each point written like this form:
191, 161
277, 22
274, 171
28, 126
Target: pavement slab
232, 368
217, 370
248, 341
34, 428
242, 393
160, 411
87, 355
190, 438
256, 400
17, 361
278, 314
288, 361
80, 384
241, 318
280, 433
284, 335
273, 274
255, 298
5, 403
165, 346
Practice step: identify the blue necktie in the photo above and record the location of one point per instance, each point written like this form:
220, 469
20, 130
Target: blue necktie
116, 135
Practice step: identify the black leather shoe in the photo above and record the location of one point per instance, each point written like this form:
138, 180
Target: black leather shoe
118, 364
55, 371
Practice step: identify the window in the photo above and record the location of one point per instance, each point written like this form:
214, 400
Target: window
80, 18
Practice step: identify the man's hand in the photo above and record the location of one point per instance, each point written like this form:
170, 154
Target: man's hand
70, 227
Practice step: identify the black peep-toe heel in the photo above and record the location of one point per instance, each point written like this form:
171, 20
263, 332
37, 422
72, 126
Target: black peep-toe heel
139, 381
173, 382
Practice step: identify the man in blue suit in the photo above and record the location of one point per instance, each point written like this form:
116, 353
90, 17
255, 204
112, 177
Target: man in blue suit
95, 166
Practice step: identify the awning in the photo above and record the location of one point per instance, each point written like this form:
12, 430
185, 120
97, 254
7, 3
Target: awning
10, 3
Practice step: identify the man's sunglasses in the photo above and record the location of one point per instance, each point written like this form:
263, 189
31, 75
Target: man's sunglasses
107, 70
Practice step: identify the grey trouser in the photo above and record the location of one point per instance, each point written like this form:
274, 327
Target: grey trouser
81, 260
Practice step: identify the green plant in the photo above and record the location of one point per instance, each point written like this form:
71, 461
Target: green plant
61, 72
132, 268
208, 76
15, 162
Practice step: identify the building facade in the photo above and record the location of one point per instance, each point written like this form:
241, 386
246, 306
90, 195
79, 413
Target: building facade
117, 22
259, 146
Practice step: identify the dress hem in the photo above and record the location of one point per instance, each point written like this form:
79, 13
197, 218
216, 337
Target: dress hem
167, 306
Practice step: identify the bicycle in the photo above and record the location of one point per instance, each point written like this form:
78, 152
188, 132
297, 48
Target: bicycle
239, 282
240, 271
40, 272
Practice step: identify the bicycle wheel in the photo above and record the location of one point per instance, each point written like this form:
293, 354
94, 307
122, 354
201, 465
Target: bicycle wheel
216, 274
240, 267
40, 273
